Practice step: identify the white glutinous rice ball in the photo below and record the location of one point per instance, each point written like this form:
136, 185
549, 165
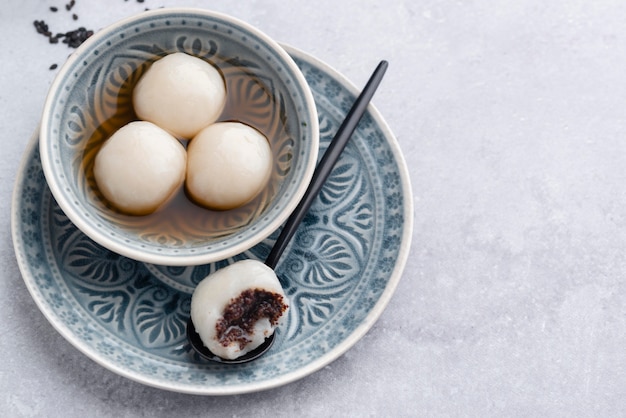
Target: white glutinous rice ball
228, 164
180, 93
236, 308
140, 167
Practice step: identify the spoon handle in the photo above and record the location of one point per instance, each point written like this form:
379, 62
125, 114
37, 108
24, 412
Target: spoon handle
327, 163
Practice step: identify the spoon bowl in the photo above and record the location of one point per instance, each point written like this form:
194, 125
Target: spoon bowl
198, 345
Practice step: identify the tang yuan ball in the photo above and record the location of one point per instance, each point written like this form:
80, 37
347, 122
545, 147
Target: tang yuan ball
228, 164
180, 93
236, 308
140, 167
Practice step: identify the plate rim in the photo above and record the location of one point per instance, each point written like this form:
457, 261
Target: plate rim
346, 344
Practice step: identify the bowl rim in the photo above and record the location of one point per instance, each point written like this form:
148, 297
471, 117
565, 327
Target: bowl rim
182, 258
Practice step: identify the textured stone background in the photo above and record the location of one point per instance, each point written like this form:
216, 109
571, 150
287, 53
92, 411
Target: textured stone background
512, 118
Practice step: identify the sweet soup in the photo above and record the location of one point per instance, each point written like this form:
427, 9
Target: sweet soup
181, 220
139, 167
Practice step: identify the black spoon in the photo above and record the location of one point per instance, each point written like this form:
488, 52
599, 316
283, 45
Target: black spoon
322, 171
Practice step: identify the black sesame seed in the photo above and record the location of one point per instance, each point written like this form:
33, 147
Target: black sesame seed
41, 27
72, 38
77, 37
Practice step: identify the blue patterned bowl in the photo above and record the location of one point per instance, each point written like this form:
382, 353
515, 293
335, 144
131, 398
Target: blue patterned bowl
340, 270
91, 98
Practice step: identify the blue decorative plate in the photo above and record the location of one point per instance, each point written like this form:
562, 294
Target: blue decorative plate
339, 272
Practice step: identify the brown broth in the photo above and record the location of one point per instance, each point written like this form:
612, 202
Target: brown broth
180, 221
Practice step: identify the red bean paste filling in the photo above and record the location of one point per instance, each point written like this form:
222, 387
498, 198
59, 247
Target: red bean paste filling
242, 312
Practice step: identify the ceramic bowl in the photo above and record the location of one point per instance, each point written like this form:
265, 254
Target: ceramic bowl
91, 97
